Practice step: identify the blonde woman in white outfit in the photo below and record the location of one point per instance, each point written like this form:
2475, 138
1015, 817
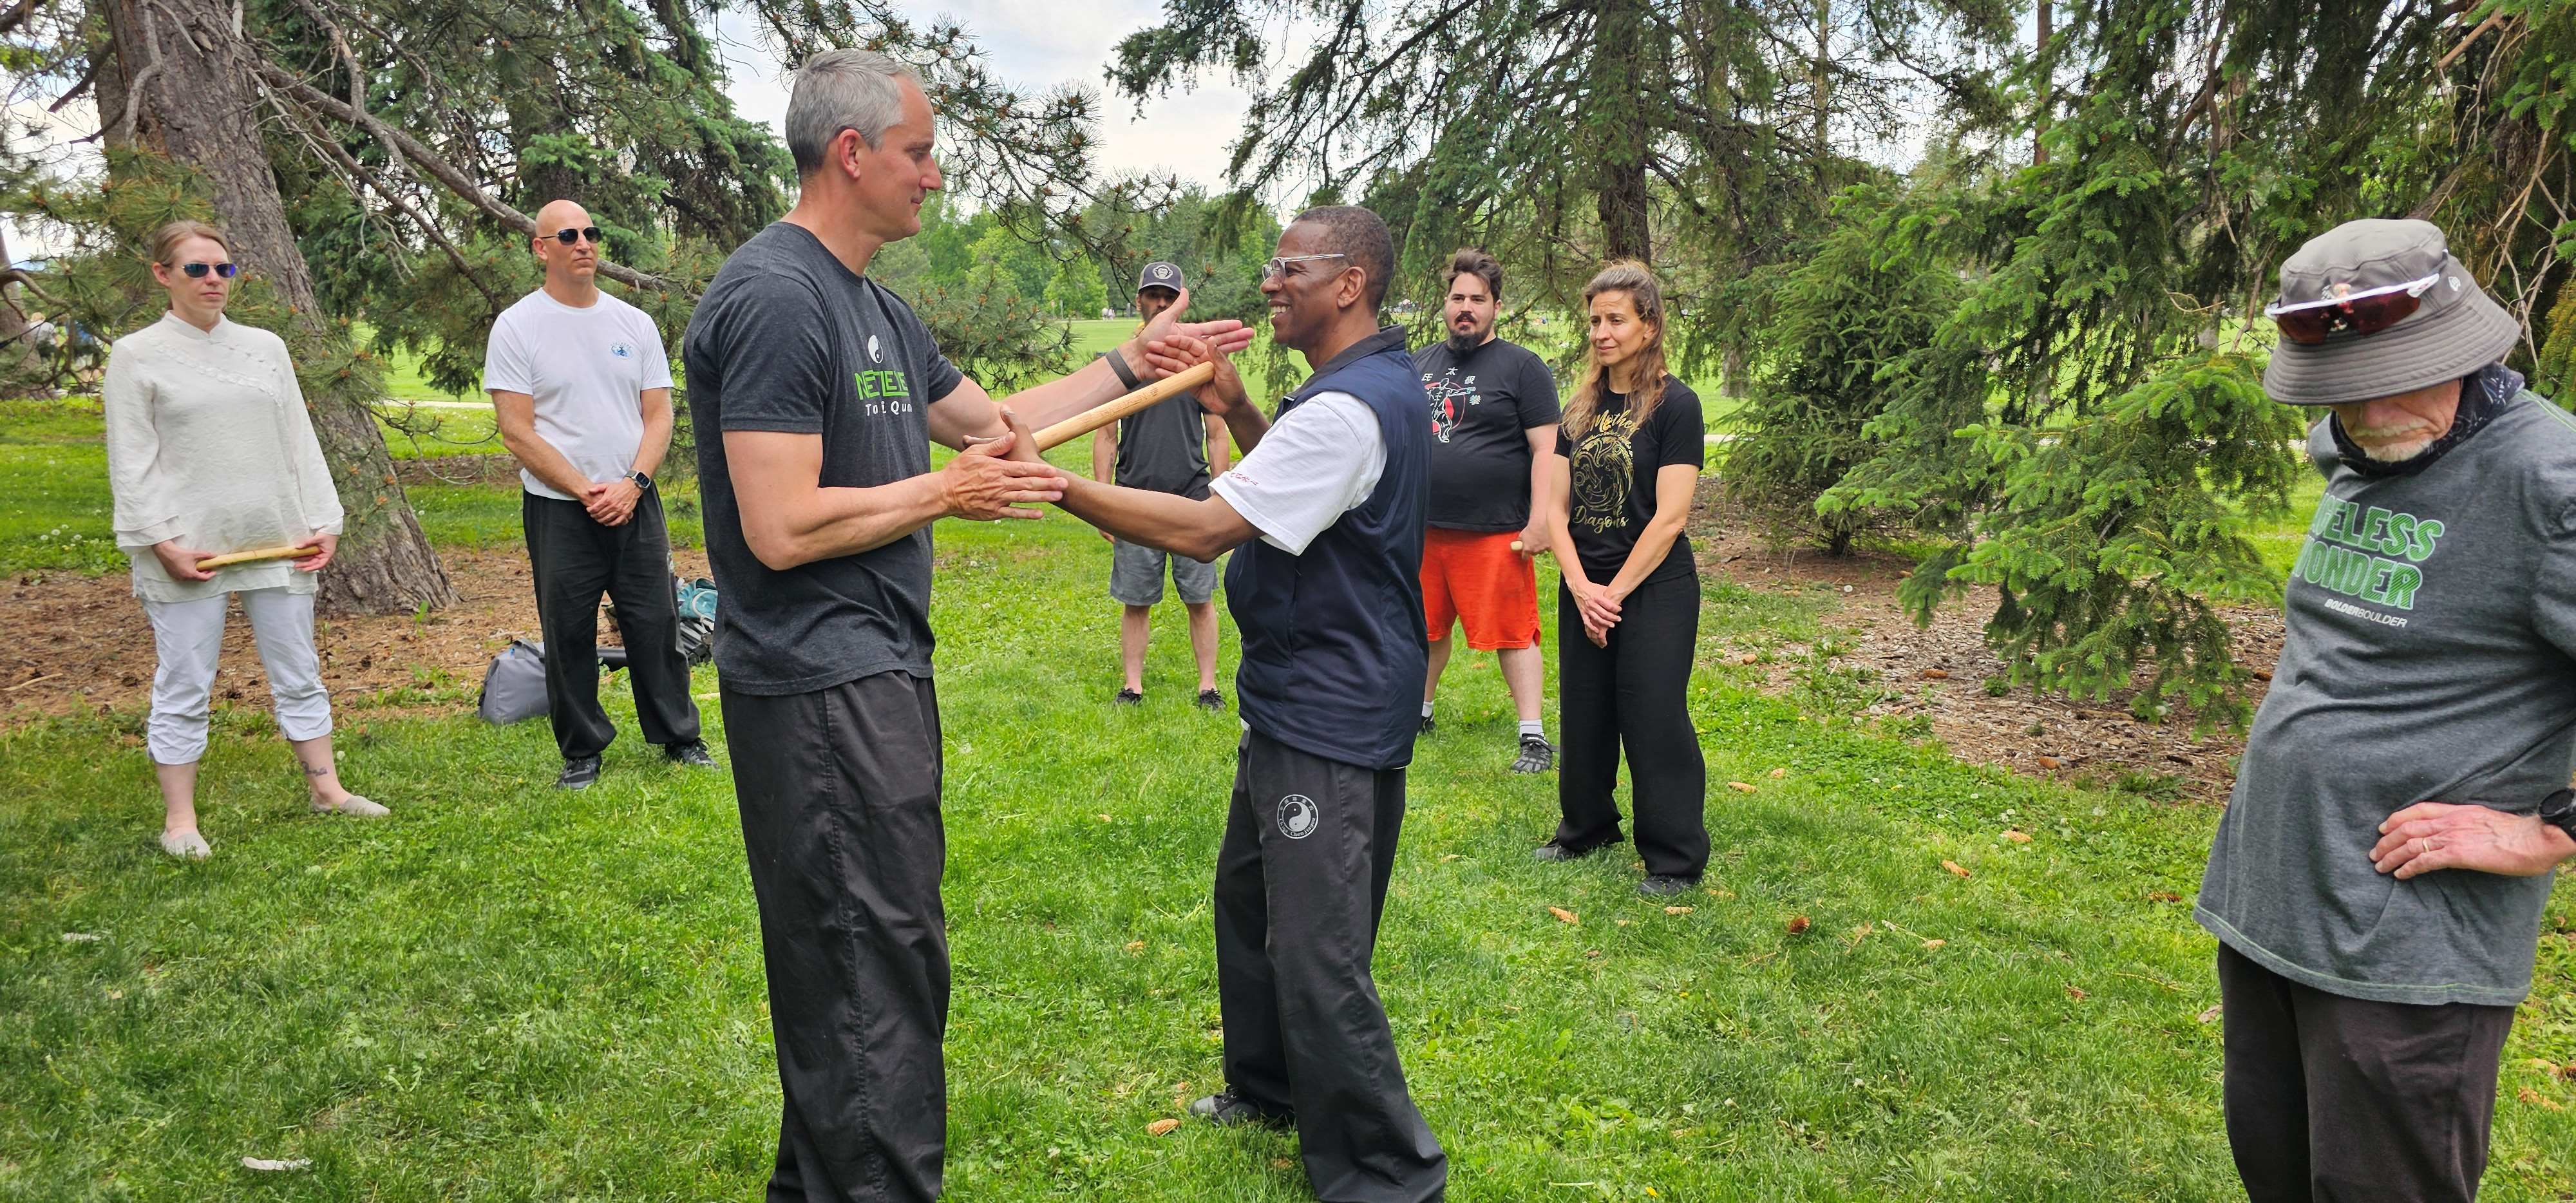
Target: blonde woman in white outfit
209, 450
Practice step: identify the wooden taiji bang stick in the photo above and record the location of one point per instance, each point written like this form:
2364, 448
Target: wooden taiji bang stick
211, 563
1144, 398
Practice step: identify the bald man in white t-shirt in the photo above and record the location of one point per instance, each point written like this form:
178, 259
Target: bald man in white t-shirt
582, 391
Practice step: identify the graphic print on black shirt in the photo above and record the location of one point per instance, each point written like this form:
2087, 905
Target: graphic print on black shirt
786, 340
1450, 396
1604, 467
1610, 478
1483, 404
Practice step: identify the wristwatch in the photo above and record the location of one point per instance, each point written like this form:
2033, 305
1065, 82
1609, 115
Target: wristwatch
2559, 811
642, 482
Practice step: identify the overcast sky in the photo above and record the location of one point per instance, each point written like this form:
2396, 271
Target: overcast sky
1035, 44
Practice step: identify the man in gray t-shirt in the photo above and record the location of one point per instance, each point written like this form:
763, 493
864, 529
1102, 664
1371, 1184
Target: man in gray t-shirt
815, 394
2377, 882
1175, 447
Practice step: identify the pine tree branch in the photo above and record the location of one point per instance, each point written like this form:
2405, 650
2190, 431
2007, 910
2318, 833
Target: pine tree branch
18, 14
316, 100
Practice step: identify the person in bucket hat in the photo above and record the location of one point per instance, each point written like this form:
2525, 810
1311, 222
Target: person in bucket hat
2377, 883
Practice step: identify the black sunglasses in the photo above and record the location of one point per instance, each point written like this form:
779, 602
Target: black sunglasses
569, 235
197, 271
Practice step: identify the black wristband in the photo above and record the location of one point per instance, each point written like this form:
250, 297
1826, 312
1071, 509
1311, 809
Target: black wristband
2559, 811
1126, 375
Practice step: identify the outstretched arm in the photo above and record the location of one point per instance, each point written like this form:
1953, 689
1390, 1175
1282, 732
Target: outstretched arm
789, 518
1201, 530
969, 412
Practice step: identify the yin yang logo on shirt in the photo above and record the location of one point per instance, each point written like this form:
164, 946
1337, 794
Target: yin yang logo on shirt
876, 350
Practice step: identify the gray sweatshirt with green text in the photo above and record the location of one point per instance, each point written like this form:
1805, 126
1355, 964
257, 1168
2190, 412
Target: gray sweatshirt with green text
2431, 620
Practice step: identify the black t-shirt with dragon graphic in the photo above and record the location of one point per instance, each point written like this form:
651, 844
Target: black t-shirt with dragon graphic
1613, 469
1482, 403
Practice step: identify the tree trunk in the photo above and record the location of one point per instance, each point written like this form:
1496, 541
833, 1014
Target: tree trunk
2039, 133
185, 91
1618, 130
1824, 87
1737, 381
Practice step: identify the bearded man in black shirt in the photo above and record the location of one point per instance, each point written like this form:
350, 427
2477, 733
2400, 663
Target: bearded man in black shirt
1493, 432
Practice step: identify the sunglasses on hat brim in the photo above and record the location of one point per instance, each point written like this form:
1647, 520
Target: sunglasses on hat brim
2364, 313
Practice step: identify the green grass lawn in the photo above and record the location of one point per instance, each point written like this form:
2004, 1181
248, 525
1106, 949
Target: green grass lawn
507, 993
504, 993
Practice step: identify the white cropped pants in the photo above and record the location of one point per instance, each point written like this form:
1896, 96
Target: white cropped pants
189, 637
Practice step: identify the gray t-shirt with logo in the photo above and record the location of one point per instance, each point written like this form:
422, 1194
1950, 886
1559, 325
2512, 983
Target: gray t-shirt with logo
2431, 620
787, 339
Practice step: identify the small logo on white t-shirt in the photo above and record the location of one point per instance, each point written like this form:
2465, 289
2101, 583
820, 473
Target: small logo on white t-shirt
621, 350
876, 350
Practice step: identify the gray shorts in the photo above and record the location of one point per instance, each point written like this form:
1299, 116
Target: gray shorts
1136, 576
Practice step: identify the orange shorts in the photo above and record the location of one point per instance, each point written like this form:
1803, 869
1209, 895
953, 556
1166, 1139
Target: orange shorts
1475, 579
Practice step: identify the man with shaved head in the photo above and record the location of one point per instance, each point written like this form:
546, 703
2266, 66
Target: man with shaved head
582, 392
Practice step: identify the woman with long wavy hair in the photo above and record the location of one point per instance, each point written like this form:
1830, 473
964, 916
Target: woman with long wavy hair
209, 450
1629, 453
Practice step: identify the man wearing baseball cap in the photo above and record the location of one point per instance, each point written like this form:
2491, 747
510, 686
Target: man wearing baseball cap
2377, 882
1175, 447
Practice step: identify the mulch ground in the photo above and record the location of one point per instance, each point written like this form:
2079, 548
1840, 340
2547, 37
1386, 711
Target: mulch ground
1940, 669
86, 649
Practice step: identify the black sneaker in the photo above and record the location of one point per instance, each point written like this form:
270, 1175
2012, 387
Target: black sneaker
1229, 1110
1554, 851
1128, 697
1537, 755
1210, 699
691, 755
578, 773
1664, 887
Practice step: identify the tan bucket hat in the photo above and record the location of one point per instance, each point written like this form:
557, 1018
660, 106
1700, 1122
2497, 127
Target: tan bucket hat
2455, 330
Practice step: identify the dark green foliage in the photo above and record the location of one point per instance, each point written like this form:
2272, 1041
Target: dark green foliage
2109, 536
2074, 435
1850, 324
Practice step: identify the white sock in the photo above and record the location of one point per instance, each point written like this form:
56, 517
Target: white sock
1426, 710
1530, 727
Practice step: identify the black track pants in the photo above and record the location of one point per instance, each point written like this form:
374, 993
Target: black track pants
1635, 692
1300, 883
574, 560
839, 791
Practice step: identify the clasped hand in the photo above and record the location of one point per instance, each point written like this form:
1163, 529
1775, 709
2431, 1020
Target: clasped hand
1599, 606
1169, 345
999, 477
611, 502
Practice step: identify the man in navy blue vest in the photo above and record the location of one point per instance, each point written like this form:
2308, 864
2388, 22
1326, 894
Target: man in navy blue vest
1324, 516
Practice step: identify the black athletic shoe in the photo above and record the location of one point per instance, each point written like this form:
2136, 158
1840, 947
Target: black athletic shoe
1227, 1110
1128, 697
578, 773
692, 755
1428, 724
1210, 699
1665, 887
1553, 851
1537, 755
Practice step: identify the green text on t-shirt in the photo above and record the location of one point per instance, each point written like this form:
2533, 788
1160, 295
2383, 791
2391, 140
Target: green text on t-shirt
2355, 551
